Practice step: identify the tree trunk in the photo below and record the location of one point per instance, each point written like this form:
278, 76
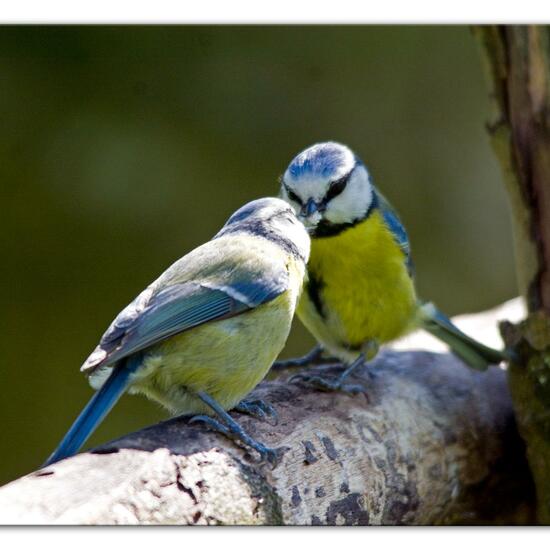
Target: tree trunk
518, 63
428, 442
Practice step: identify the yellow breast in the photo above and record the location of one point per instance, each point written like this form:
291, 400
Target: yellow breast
359, 288
225, 358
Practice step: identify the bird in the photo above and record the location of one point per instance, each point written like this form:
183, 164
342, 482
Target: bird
359, 291
201, 336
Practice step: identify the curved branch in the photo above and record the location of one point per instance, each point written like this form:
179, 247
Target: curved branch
429, 442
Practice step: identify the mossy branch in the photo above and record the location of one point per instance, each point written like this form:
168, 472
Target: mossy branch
518, 65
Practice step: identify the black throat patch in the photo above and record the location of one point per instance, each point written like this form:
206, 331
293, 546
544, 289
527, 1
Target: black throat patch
314, 288
327, 229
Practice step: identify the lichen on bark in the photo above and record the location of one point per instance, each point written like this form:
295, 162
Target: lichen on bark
517, 62
429, 441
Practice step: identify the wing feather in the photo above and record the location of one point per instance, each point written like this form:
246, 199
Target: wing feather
397, 228
155, 316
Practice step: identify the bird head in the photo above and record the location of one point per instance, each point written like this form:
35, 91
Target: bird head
328, 187
270, 218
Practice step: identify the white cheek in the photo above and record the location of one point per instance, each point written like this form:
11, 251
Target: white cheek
295, 232
301, 239
352, 204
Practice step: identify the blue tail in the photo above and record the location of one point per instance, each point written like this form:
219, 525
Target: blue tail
473, 353
95, 411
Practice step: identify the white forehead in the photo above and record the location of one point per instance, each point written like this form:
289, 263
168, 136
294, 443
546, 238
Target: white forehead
315, 167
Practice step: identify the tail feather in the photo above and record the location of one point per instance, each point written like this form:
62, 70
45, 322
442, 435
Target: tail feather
95, 411
473, 353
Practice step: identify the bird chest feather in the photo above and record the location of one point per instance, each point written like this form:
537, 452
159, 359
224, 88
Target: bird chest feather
359, 288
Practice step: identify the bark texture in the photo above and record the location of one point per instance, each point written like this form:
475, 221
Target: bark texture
428, 442
518, 63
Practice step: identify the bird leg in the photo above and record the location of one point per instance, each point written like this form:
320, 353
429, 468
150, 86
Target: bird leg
259, 409
330, 384
313, 356
231, 429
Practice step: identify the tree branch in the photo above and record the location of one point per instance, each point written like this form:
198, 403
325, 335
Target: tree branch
429, 442
518, 65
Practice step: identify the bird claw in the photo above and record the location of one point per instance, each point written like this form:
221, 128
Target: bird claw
330, 384
326, 384
272, 455
259, 409
313, 356
212, 423
269, 455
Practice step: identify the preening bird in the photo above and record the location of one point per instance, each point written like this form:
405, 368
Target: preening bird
360, 290
205, 333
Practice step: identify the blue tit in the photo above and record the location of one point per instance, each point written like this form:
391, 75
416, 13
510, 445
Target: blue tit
360, 290
205, 333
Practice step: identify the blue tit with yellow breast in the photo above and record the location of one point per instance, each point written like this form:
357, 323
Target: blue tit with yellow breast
205, 333
360, 290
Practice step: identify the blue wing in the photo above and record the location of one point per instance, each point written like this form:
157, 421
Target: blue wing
396, 227
153, 317
150, 318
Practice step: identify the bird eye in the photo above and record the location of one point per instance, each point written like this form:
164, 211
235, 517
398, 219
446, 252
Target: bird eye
336, 188
292, 195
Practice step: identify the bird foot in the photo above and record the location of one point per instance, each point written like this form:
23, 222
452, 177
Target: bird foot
269, 455
314, 356
326, 384
259, 409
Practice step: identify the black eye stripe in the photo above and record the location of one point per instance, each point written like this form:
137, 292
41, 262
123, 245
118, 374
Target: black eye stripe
292, 195
336, 188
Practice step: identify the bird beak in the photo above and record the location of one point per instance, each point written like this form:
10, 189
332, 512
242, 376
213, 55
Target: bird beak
309, 208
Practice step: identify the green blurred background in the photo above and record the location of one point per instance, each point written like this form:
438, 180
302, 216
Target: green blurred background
122, 148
